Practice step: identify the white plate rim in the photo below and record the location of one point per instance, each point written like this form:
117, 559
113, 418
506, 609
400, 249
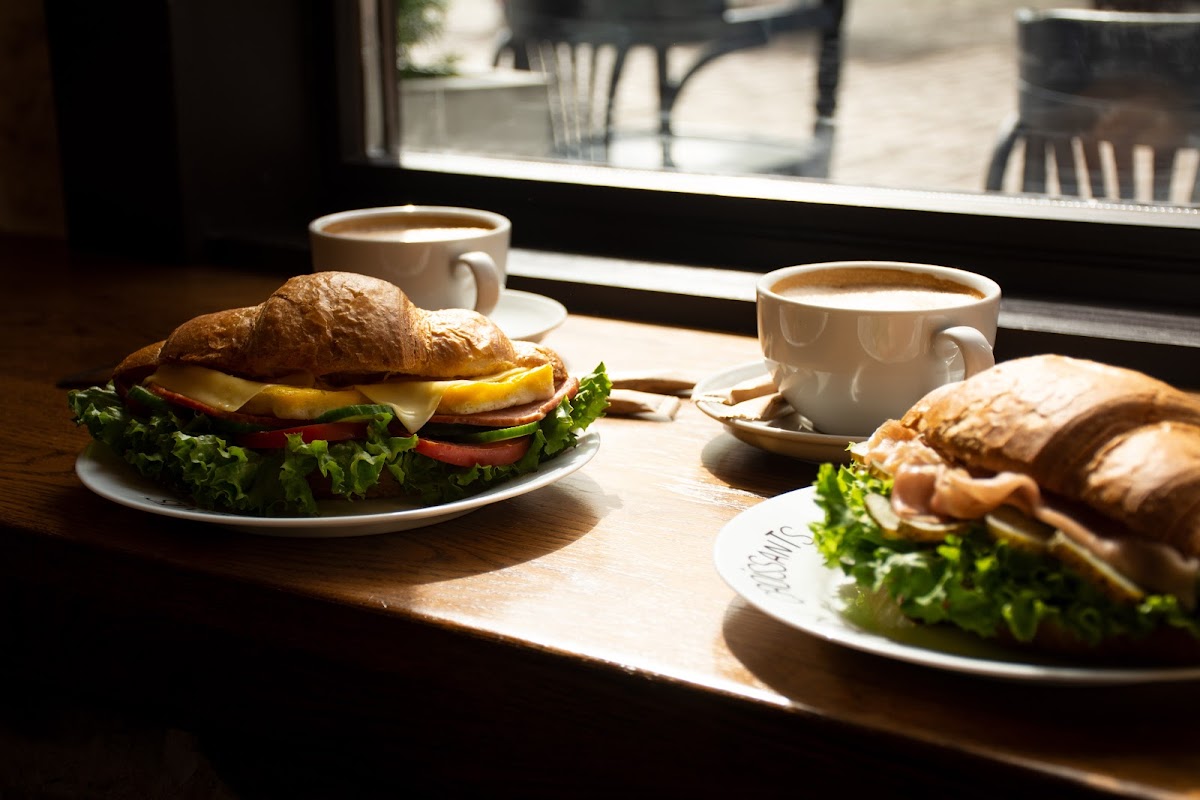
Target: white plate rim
789, 582
798, 444
101, 471
527, 316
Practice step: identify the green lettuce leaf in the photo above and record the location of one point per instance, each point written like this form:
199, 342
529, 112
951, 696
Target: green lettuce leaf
191, 455
973, 581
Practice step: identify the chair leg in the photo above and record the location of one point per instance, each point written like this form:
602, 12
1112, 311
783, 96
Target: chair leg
1162, 172
1064, 161
614, 79
1001, 153
1093, 159
1124, 160
1033, 174
667, 91
829, 60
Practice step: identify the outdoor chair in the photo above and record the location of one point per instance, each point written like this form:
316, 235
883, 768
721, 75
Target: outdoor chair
583, 46
1108, 107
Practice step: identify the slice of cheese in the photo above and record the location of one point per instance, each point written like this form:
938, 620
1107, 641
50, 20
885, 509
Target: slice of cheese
207, 386
413, 401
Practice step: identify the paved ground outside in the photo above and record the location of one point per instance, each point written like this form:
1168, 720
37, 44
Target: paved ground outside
926, 85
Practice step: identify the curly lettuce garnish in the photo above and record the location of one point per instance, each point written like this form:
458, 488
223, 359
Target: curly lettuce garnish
192, 456
974, 581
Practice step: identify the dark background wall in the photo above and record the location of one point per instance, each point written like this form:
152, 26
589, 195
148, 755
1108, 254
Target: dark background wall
30, 179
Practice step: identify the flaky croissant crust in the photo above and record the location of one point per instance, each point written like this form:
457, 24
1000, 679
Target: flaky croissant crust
340, 327
1119, 441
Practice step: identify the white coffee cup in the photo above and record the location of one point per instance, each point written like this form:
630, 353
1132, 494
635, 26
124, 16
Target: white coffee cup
441, 256
850, 344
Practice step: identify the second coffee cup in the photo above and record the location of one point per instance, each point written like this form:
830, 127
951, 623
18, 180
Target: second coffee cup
441, 256
850, 344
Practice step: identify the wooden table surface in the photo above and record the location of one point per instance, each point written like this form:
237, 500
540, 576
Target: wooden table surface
573, 638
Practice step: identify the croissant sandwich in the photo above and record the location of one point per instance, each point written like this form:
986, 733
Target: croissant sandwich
337, 386
1048, 501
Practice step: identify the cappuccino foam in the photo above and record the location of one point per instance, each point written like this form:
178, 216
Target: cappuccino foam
871, 289
407, 229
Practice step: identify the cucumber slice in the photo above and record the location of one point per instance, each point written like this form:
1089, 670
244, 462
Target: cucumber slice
1092, 568
356, 413
140, 394
500, 434
914, 529
1007, 524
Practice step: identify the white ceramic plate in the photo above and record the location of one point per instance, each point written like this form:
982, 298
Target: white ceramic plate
766, 554
105, 474
782, 436
527, 316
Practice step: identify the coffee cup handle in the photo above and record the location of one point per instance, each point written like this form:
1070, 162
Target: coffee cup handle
976, 351
487, 279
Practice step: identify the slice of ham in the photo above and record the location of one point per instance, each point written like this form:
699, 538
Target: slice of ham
926, 485
516, 415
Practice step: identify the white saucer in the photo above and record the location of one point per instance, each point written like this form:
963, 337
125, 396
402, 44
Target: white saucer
783, 435
527, 316
766, 554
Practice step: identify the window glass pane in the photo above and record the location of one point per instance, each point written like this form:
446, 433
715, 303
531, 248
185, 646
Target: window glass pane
910, 94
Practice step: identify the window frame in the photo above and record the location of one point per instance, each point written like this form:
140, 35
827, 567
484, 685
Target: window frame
1124, 257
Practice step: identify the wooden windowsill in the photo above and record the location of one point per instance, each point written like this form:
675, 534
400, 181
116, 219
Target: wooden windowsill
1160, 343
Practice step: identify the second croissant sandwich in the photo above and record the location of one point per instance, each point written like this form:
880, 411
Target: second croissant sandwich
337, 385
1049, 501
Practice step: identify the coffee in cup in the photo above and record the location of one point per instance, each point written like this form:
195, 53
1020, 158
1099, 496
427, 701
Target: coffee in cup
850, 344
441, 256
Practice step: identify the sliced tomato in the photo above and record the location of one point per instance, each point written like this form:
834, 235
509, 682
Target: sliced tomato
489, 454
329, 431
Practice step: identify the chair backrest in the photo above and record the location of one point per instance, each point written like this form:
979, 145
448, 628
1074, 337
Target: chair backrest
1108, 104
583, 45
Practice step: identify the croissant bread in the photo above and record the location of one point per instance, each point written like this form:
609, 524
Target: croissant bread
340, 328
1123, 443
